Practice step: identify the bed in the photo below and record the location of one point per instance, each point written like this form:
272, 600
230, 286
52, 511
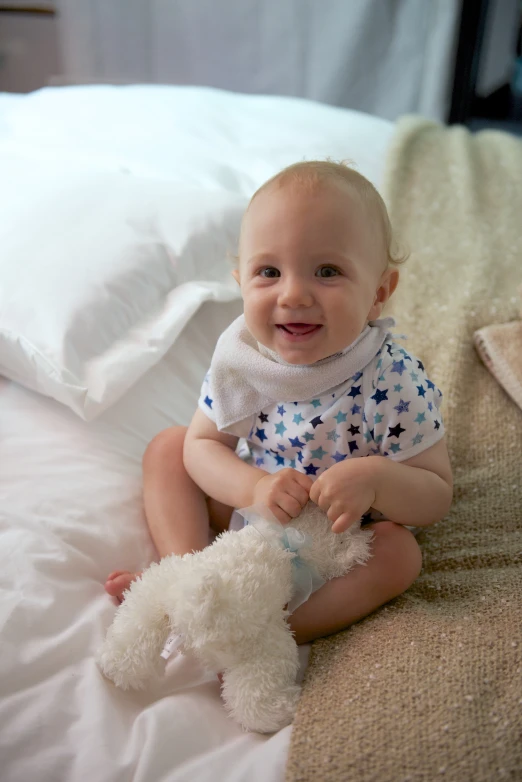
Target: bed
70, 486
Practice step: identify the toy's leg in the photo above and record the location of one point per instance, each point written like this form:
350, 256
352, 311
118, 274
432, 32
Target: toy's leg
262, 693
131, 651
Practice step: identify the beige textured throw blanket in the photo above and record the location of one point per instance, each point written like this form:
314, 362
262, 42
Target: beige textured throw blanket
430, 687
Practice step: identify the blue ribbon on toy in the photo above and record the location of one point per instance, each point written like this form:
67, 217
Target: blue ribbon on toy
306, 578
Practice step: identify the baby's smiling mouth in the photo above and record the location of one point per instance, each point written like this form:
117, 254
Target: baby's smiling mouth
299, 329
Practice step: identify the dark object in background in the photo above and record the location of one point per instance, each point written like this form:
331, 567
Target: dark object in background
469, 48
502, 109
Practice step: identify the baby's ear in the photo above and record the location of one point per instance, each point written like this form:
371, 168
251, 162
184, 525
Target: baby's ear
235, 275
387, 284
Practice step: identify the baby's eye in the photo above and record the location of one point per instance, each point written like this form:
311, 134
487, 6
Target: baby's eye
327, 271
269, 272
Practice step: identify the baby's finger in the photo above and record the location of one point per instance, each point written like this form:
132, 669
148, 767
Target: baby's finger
280, 514
303, 480
300, 494
315, 493
342, 523
289, 505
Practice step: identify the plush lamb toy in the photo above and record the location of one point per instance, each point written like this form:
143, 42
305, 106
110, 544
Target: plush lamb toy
227, 605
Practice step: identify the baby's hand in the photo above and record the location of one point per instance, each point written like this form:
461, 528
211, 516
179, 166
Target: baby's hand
285, 493
345, 492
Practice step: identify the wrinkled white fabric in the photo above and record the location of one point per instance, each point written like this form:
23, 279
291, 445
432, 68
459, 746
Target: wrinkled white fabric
245, 377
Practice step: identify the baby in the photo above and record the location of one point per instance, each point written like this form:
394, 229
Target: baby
313, 381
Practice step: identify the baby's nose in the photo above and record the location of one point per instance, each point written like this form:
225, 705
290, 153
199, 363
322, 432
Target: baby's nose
296, 292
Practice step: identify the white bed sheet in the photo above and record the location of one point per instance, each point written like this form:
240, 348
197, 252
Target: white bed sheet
70, 491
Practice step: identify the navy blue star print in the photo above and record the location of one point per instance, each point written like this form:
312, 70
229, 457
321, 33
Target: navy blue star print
380, 396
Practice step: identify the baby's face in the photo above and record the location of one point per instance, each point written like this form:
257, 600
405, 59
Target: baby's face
311, 269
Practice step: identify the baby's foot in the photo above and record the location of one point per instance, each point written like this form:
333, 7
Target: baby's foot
118, 582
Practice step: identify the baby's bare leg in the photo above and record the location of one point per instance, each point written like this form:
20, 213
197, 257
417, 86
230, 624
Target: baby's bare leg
177, 510
394, 566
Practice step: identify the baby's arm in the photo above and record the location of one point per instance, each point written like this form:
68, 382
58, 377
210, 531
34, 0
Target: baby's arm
416, 492
210, 460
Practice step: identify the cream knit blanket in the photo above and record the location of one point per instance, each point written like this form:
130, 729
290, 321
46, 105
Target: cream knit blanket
430, 687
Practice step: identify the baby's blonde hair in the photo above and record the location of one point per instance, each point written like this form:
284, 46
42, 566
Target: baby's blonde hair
311, 173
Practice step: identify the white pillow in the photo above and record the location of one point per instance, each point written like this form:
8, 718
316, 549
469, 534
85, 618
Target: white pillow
99, 273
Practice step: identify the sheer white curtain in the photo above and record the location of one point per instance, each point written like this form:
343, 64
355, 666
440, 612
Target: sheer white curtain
385, 57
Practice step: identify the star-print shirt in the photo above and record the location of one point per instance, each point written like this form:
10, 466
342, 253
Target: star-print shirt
391, 409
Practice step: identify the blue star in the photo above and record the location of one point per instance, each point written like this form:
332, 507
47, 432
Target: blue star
333, 436
300, 456
280, 428
352, 445
420, 365
436, 425
414, 376
263, 418
295, 442
368, 435
378, 438
298, 418
354, 391
355, 410
340, 417
408, 358
316, 402
421, 390
318, 453
339, 457
316, 421
421, 417
292, 464
399, 367
208, 401
395, 447
402, 407
309, 436
259, 461
311, 469
357, 377
417, 439
281, 410
380, 396
430, 384
398, 388
354, 429
280, 460
364, 417
379, 363
260, 433
378, 418
281, 447
430, 406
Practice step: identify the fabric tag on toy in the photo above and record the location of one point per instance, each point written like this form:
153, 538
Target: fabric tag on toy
172, 644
